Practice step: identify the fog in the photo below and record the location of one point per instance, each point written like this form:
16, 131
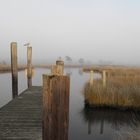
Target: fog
96, 30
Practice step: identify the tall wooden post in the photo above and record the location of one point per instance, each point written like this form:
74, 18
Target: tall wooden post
29, 66
55, 107
14, 69
104, 78
91, 77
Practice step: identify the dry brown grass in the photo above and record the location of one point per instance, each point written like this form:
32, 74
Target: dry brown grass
115, 70
122, 90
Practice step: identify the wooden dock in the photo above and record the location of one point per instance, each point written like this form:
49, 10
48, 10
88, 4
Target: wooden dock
21, 119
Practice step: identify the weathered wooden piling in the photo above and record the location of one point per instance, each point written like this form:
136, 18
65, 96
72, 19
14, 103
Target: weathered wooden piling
104, 78
91, 77
55, 107
29, 66
14, 69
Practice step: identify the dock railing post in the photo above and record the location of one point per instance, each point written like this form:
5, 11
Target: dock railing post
14, 69
29, 66
104, 78
55, 107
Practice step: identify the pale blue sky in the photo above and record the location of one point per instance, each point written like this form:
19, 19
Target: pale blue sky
96, 30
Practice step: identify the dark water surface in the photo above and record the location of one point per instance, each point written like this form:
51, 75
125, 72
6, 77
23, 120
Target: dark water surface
84, 124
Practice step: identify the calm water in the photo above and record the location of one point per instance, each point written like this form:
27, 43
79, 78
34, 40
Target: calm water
84, 124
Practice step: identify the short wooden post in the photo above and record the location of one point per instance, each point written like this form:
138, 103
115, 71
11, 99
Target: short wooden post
14, 69
104, 78
54, 70
55, 107
91, 77
60, 67
29, 66
60, 62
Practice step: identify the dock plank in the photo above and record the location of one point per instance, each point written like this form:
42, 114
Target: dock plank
21, 118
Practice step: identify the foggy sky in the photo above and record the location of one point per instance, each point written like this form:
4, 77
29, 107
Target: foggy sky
107, 30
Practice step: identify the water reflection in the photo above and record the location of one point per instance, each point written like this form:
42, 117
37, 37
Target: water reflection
88, 124
68, 71
80, 71
123, 125
6, 88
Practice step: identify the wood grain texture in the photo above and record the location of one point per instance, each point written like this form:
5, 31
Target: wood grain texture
21, 119
55, 107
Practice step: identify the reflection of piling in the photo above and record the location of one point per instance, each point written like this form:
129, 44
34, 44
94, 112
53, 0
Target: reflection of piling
102, 126
104, 78
55, 107
91, 77
89, 127
29, 66
14, 69
58, 69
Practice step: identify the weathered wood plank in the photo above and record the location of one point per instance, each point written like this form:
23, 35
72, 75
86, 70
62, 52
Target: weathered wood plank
21, 119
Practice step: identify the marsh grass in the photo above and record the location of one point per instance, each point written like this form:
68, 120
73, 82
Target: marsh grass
122, 90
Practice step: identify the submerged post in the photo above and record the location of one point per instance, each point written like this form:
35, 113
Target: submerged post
29, 66
104, 78
91, 77
14, 69
55, 107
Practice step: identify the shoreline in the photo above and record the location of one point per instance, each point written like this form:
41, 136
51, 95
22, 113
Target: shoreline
5, 68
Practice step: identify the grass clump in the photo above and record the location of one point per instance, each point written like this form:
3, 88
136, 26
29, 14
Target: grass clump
121, 91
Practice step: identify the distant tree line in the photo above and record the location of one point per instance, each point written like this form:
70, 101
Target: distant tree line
68, 59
